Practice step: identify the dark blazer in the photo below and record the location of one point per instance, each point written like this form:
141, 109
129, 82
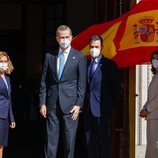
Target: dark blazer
70, 89
5, 100
104, 89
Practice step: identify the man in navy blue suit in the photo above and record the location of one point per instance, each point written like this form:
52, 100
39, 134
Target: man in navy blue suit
103, 89
62, 92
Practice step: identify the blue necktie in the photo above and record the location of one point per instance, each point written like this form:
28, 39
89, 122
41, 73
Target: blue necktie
61, 64
92, 69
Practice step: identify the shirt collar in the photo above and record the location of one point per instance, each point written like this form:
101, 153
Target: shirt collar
97, 60
66, 51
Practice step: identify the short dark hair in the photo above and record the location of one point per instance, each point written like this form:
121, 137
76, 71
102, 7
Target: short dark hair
96, 38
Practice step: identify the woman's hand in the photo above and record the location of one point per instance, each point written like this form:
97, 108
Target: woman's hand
12, 125
143, 113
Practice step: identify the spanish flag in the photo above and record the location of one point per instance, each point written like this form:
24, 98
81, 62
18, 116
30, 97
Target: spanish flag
129, 39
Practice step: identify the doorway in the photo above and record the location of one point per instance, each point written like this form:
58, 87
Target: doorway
12, 42
143, 78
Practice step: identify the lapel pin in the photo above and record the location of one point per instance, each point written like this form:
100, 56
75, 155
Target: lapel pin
73, 57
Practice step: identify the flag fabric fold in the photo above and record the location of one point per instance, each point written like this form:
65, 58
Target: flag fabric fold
129, 39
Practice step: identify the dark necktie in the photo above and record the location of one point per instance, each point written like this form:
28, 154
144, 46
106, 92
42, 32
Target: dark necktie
92, 69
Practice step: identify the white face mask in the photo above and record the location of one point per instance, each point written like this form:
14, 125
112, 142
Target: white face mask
64, 43
155, 63
95, 52
3, 66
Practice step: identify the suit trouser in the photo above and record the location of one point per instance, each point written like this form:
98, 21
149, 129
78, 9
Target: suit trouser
97, 135
152, 138
55, 121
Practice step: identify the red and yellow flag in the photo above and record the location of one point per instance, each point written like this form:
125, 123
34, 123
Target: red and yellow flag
129, 39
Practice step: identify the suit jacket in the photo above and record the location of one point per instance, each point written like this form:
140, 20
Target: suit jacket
5, 100
70, 89
152, 101
104, 89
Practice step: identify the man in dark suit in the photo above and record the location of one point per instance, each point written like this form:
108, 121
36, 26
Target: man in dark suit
62, 91
103, 89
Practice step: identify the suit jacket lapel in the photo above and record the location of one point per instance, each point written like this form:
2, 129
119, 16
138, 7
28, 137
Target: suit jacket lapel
97, 69
88, 64
53, 64
9, 86
70, 59
2, 84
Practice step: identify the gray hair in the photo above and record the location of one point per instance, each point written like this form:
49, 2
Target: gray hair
63, 28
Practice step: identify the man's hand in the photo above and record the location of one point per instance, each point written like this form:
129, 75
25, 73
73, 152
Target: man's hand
75, 112
43, 111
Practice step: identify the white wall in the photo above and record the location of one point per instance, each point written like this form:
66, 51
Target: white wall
143, 78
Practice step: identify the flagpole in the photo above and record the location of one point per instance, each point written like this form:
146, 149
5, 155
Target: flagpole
121, 6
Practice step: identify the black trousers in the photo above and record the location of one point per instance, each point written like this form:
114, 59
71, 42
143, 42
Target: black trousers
97, 132
57, 122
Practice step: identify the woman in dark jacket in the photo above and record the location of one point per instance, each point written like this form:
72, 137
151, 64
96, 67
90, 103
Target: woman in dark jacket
6, 112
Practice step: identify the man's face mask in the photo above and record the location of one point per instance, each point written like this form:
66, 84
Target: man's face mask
95, 52
64, 42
